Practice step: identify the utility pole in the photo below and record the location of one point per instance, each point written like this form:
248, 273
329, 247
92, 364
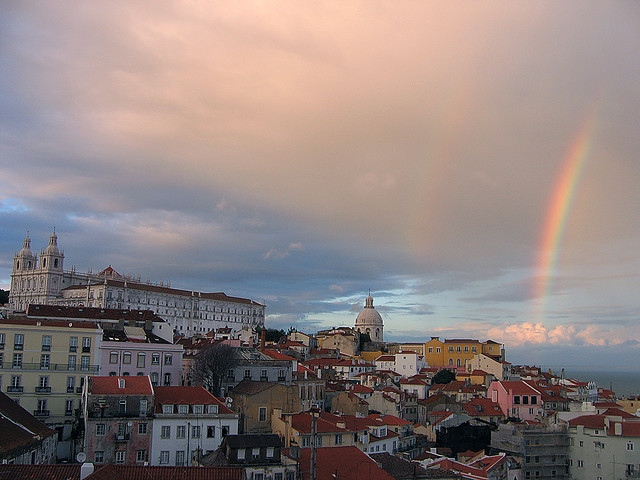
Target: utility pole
315, 413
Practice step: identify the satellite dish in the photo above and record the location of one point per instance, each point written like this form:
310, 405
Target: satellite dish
129, 424
229, 400
81, 457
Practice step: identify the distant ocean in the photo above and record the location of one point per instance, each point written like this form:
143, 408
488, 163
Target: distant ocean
624, 381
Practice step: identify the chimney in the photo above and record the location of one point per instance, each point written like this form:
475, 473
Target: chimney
263, 338
85, 470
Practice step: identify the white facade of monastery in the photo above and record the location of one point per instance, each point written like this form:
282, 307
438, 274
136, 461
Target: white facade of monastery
41, 279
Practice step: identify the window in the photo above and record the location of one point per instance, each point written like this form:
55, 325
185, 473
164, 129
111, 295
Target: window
126, 358
262, 414
141, 455
183, 409
99, 456
43, 381
241, 453
580, 463
180, 458
534, 400
255, 452
167, 379
45, 361
525, 400
531, 411
458, 349
154, 379
195, 431
155, 359
180, 431
474, 349
71, 362
164, 457
466, 349
247, 373
430, 349
629, 445
46, 343
17, 360
198, 409
167, 409
143, 407
165, 432
450, 349
306, 441
86, 347
73, 345
18, 341
211, 431
140, 363
142, 429
581, 443
263, 374
516, 400
113, 357
2, 340
71, 384
122, 407
42, 407
338, 439
212, 409
168, 359
100, 429
85, 362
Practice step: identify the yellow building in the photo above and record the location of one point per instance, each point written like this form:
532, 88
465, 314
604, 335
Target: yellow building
457, 352
44, 364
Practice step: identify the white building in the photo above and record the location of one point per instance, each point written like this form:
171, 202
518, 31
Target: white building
405, 363
189, 422
603, 447
41, 279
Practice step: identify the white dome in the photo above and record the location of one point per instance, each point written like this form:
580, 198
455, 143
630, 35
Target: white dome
369, 321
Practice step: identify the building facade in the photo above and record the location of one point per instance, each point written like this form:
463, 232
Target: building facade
41, 279
43, 365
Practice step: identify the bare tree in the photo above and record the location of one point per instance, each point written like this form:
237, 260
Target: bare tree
211, 365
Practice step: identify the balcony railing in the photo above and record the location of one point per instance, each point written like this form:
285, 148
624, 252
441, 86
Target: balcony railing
68, 413
41, 413
70, 389
15, 389
43, 389
52, 366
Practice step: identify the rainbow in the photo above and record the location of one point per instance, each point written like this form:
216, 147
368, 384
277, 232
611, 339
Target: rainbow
559, 207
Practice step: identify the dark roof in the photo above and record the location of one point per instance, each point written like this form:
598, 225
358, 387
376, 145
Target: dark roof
255, 440
91, 313
18, 428
251, 387
39, 472
139, 472
402, 469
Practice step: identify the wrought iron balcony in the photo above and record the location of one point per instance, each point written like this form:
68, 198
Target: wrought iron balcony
41, 413
15, 389
43, 389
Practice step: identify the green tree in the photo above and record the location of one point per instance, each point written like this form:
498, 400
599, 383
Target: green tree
443, 376
4, 297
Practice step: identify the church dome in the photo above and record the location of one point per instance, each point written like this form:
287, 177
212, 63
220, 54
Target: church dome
369, 321
52, 248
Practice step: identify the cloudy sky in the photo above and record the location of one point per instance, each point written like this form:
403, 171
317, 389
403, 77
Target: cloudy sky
474, 164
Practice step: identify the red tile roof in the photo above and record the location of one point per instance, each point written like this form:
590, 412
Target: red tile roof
39, 472
389, 419
187, 396
133, 385
138, 472
341, 462
589, 421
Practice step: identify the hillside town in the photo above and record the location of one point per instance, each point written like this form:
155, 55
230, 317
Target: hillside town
105, 375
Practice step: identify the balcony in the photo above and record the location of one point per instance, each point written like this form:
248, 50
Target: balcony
86, 349
123, 438
41, 413
18, 346
43, 389
73, 348
68, 413
15, 389
70, 389
46, 348
264, 378
64, 367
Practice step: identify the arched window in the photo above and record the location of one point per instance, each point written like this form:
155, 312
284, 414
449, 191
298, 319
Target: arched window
451, 361
55, 263
154, 379
458, 363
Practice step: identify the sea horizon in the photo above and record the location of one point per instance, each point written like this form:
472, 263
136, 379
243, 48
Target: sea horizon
624, 381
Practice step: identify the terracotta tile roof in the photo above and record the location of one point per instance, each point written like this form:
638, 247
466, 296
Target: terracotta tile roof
341, 462
138, 472
91, 313
329, 423
133, 385
40, 472
482, 406
461, 340
518, 387
277, 355
589, 421
48, 323
187, 396
357, 388
389, 419
386, 358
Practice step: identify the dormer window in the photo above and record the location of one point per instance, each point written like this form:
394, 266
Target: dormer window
212, 409
168, 409
198, 409
121, 383
183, 409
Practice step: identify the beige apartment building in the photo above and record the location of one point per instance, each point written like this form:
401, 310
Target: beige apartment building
43, 365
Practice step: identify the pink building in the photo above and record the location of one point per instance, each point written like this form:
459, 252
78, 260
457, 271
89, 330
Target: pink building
517, 399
